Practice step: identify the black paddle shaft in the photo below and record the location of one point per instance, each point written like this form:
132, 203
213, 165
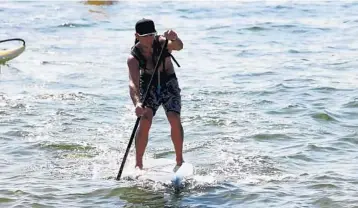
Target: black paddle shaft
138, 118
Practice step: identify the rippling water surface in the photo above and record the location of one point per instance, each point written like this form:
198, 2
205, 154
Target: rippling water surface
270, 104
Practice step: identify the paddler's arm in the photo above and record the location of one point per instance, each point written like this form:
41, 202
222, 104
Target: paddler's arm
134, 74
174, 42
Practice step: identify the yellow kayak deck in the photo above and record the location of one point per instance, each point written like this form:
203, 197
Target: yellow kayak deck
9, 54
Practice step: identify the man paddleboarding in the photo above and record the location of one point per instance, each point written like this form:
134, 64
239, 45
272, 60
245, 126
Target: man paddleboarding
164, 91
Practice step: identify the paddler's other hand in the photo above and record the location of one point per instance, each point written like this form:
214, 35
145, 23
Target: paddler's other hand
170, 35
139, 110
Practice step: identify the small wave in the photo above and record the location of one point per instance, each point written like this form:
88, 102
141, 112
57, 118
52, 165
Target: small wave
300, 80
280, 7
6, 200
293, 51
2, 112
301, 156
321, 186
18, 106
352, 104
300, 31
62, 96
217, 27
323, 117
258, 74
194, 10
18, 133
70, 147
290, 109
284, 26
5, 138
218, 92
325, 89
314, 147
255, 28
74, 75
271, 137
283, 86
216, 122
63, 112
74, 25
264, 102
80, 119
339, 63
238, 166
325, 202
65, 63
352, 138
329, 176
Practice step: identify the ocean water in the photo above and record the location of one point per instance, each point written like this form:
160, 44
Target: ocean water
269, 94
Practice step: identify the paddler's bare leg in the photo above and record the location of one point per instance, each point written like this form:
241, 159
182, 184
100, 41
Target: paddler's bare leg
142, 136
177, 134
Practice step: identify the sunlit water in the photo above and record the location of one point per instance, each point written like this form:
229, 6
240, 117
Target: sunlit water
270, 104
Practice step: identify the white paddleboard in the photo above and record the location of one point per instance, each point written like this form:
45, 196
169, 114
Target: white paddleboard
160, 170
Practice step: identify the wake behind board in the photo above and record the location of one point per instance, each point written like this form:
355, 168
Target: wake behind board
8, 54
160, 170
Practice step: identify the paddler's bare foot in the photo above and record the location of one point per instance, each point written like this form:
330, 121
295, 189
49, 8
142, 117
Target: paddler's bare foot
138, 171
177, 166
139, 166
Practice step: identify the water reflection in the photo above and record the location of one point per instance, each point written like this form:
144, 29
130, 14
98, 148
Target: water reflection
100, 3
97, 11
139, 196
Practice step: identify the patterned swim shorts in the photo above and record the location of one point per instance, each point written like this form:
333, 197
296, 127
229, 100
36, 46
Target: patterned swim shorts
169, 96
